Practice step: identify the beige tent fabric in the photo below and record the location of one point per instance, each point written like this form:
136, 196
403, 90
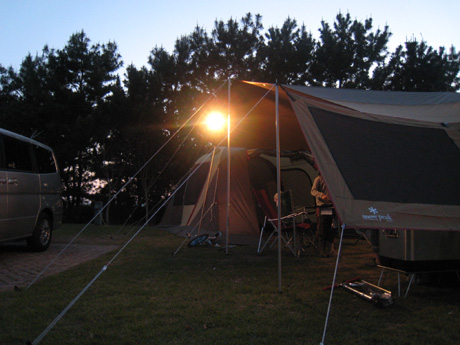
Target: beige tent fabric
437, 107
432, 122
361, 213
249, 169
428, 113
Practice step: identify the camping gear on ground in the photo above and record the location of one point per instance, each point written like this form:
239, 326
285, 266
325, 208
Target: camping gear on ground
366, 290
204, 240
370, 292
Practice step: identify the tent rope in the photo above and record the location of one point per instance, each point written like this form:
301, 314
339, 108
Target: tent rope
53, 323
104, 268
61, 315
333, 285
122, 188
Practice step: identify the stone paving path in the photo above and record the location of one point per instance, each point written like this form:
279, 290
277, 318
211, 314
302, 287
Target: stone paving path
19, 266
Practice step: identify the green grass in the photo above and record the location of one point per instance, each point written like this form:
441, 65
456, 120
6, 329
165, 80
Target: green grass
203, 296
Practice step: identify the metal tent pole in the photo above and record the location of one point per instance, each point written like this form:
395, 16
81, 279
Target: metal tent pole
278, 182
228, 170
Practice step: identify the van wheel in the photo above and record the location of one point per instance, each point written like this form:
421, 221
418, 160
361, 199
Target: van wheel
41, 237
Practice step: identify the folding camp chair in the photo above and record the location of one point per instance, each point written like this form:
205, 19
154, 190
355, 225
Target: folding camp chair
288, 223
303, 231
307, 229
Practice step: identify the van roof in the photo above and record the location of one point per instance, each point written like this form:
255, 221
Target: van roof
23, 138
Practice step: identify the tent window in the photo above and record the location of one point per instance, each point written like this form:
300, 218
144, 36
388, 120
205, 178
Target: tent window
195, 184
391, 162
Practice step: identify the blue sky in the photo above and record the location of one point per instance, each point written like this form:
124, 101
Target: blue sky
138, 26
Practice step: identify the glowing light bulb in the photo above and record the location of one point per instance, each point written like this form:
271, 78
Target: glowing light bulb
215, 121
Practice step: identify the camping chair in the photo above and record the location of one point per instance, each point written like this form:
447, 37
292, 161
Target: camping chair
307, 229
288, 223
303, 231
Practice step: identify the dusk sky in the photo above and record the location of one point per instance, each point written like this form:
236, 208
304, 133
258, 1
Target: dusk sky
138, 26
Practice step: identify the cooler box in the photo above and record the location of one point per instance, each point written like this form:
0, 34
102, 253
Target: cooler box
420, 250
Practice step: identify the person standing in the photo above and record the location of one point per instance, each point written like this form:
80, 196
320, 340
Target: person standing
324, 216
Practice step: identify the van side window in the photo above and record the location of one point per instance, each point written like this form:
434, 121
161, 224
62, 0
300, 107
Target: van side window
17, 154
45, 160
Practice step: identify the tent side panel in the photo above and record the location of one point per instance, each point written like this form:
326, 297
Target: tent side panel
411, 164
172, 215
377, 182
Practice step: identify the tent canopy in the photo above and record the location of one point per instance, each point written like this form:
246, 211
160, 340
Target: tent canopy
389, 159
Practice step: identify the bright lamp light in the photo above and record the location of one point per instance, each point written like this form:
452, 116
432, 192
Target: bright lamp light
215, 121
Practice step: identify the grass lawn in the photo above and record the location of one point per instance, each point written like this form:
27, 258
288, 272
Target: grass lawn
203, 296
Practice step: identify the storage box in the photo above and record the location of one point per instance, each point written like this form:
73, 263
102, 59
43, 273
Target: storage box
420, 250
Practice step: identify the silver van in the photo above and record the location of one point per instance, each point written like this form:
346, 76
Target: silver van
30, 191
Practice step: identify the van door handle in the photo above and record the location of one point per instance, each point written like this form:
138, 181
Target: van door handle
13, 181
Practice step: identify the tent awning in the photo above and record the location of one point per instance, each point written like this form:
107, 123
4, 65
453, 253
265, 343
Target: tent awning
390, 159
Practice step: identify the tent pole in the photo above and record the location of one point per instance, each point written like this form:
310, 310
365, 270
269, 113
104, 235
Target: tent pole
228, 170
278, 183
333, 284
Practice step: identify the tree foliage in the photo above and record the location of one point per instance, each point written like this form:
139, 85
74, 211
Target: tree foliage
58, 100
419, 67
105, 129
287, 55
345, 54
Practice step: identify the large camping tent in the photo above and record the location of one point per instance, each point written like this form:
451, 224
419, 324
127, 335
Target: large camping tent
200, 205
389, 159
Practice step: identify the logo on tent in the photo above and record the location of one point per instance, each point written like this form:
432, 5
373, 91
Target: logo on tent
375, 216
